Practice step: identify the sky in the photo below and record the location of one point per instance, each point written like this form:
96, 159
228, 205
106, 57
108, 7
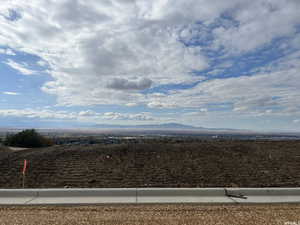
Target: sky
208, 63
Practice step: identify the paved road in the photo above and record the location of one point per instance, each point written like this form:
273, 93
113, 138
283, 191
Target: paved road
153, 215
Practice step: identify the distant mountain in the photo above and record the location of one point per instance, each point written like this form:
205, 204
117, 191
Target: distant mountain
167, 126
170, 127
150, 126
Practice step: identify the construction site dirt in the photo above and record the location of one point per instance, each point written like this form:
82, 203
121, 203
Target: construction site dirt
226, 163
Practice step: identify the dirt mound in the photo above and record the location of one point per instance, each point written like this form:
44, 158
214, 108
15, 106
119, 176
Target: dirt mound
197, 164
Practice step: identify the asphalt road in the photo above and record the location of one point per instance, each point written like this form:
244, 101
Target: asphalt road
288, 214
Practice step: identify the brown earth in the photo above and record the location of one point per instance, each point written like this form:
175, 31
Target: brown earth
197, 164
154, 215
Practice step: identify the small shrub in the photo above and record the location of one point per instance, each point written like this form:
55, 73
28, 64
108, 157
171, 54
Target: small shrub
27, 139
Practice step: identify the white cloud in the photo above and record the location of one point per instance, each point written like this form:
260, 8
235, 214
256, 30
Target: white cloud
108, 52
161, 104
275, 92
7, 51
296, 121
20, 67
259, 22
87, 113
120, 116
200, 112
92, 46
37, 113
82, 116
10, 93
131, 104
42, 63
123, 84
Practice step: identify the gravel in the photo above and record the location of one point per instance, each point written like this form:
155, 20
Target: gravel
153, 214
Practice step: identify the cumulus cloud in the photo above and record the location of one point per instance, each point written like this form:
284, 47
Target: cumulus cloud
258, 23
118, 41
277, 91
88, 113
82, 116
111, 52
123, 84
162, 104
120, 116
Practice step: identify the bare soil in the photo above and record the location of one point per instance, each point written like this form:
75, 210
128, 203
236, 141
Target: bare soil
154, 215
220, 163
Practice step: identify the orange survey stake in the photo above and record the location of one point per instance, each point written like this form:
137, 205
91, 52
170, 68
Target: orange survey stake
24, 167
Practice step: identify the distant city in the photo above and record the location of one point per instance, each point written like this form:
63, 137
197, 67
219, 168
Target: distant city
113, 134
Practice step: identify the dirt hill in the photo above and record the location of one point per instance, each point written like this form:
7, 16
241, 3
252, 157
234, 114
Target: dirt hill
197, 164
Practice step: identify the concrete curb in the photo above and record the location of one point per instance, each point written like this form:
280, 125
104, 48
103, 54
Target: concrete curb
182, 195
264, 195
10, 197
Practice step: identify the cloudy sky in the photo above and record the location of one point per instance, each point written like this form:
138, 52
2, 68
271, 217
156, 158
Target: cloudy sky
211, 63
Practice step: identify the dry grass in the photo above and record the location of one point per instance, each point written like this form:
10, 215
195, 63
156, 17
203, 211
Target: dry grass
153, 214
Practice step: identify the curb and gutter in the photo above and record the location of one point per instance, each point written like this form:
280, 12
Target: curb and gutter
94, 196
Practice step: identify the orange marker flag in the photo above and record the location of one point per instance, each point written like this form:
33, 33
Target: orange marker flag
24, 167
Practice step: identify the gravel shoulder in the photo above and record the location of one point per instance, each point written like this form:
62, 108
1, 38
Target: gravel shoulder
286, 214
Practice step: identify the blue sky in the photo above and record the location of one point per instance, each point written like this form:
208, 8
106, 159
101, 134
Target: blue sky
233, 64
